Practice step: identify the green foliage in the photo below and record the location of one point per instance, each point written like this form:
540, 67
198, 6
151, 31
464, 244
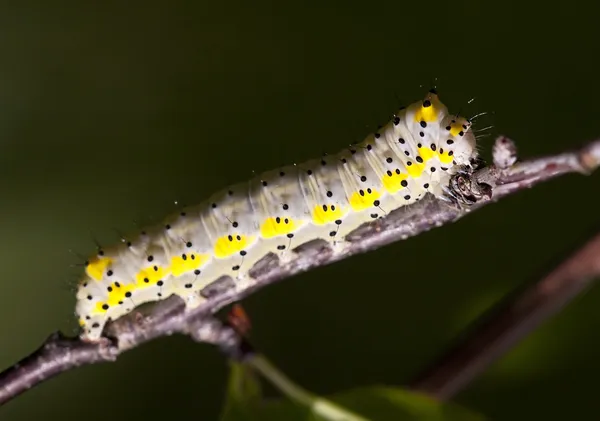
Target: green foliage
244, 402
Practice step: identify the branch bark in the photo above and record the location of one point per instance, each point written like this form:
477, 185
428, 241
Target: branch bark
511, 321
167, 317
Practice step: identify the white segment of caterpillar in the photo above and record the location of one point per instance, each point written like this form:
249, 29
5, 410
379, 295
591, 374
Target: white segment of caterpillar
415, 153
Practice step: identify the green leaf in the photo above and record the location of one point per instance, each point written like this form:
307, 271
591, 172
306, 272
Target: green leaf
244, 402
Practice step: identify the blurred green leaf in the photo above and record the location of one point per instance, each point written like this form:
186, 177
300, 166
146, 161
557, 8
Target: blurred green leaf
243, 393
244, 402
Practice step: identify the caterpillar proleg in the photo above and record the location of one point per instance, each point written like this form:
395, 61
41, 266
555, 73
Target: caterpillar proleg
415, 153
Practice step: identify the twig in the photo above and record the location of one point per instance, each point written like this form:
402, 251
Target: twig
169, 316
510, 322
58, 354
324, 408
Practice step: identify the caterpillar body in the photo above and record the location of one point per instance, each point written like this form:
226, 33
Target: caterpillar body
413, 154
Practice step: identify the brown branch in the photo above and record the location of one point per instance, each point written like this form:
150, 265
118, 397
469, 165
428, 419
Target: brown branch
510, 322
471, 191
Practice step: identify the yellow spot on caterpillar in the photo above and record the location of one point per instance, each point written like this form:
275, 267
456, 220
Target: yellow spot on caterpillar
363, 199
150, 275
231, 244
81, 322
392, 183
117, 294
429, 109
101, 307
444, 157
96, 266
455, 128
323, 214
415, 170
187, 262
426, 153
426, 114
273, 227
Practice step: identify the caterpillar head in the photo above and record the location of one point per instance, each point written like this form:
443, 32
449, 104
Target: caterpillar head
431, 121
461, 140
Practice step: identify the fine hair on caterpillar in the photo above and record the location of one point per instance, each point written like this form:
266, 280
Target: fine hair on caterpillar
414, 154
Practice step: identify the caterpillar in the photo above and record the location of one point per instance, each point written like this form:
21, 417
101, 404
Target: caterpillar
415, 153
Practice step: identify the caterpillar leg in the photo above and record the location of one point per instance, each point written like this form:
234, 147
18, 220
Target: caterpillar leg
192, 299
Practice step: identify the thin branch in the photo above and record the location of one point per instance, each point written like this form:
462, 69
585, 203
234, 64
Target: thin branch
510, 322
167, 317
323, 408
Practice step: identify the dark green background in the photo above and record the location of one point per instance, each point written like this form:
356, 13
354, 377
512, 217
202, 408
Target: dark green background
109, 113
